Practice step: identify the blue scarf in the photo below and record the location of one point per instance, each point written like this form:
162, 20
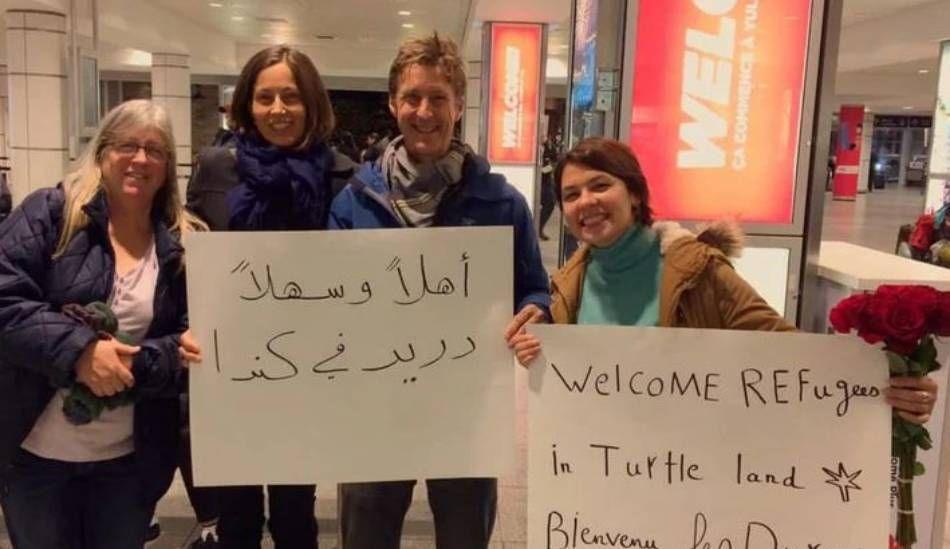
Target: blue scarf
280, 189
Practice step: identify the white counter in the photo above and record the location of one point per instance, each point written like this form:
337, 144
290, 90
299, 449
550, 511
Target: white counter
862, 268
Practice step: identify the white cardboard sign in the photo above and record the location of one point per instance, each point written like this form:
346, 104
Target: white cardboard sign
351, 355
706, 439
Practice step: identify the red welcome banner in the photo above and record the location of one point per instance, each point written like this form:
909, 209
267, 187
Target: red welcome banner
514, 92
717, 95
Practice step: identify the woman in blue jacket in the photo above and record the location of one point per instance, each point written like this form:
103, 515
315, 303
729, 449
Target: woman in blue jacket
110, 233
426, 178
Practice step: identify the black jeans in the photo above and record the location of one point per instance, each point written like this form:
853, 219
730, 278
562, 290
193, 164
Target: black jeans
292, 524
204, 499
463, 510
51, 504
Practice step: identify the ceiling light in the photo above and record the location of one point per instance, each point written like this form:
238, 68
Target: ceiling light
237, 18
404, 13
407, 25
216, 4
923, 71
908, 108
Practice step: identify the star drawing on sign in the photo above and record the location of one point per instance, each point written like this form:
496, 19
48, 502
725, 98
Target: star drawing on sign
842, 480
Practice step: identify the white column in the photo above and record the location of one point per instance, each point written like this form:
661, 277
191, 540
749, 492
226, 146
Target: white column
905, 156
171, 88
4, 115
36, 63
867, 142
472, 129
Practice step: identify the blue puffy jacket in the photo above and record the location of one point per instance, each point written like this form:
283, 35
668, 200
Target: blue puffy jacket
483, 199
39, 346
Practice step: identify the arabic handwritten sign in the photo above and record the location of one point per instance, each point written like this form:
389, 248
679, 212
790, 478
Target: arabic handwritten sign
703, 439
351, 355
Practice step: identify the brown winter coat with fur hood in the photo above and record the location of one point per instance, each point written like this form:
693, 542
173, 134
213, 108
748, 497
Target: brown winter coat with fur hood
698, 287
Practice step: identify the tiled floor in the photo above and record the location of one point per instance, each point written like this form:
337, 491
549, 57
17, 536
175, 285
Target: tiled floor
871, 221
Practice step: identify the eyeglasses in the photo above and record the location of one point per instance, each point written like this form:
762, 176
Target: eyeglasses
153, 153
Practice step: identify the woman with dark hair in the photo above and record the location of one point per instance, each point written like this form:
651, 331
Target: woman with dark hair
279, 175
632, 271
92, 305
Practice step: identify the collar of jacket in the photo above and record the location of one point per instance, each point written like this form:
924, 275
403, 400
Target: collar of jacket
343, 167
475, 181
685, 257
167, 246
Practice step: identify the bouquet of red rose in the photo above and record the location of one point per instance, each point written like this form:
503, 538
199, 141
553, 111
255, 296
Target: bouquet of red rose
906, 319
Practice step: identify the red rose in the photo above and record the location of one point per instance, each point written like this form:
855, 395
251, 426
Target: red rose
924, 297
904, 315
870, 324
845, 315
889, 290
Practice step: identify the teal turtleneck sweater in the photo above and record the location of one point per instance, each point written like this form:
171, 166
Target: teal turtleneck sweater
622, 281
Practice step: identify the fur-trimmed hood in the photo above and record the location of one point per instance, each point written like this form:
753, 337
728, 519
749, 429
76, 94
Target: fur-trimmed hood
693, 264
724, 235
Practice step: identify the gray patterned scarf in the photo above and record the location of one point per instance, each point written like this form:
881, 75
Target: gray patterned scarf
416, 188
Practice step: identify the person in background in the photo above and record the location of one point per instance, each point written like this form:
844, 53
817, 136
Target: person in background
6, 199
109, 235
428, 178
548, 197
630, 271
280, 175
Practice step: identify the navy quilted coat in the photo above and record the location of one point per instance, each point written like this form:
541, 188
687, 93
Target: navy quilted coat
39, 346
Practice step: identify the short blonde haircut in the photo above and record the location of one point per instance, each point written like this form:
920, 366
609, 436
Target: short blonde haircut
84, 184
431, 51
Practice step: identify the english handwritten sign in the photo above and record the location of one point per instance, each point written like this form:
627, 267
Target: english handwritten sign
351, 355
704, 439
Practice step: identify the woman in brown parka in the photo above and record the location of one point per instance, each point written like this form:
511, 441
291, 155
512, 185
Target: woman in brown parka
631, 271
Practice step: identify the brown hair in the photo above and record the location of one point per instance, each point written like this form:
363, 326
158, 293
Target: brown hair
319, 121
431, 51
615, 158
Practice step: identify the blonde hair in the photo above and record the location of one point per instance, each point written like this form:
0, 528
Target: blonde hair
82, 185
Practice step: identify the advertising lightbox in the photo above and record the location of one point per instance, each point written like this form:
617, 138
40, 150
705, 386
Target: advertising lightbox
716, 106
514, 93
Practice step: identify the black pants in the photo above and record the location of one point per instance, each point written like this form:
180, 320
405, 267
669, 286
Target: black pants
292, 523
463, 510
204, 500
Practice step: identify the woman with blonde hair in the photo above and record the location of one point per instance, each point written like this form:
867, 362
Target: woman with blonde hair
82, 265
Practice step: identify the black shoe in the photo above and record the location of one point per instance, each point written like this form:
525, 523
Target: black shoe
207, 543
153, 532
